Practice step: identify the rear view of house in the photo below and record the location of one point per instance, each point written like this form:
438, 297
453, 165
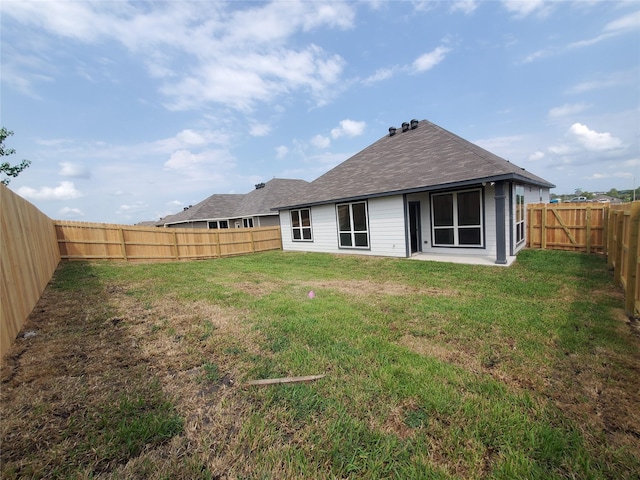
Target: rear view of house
419, 189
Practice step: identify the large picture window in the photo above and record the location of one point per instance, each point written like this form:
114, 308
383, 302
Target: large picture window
519, 214
301, 225
353, 226
457, 219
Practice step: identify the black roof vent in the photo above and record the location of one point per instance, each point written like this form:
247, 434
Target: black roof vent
414, 124
392, 131
405, 126
259, 186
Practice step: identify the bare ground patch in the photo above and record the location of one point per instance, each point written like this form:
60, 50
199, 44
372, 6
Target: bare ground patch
78, 356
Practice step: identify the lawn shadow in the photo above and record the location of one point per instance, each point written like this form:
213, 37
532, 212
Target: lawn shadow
76, 392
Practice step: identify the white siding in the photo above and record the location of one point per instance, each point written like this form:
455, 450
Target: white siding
386, 229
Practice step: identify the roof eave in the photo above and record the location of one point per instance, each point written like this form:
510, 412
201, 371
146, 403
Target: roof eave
429, 188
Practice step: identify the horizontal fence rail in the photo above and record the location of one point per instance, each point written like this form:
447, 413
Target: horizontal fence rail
100, 241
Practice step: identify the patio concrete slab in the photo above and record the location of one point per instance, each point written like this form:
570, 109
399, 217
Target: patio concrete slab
464, 259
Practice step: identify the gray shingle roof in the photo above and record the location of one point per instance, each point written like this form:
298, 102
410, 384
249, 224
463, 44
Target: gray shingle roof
257, 202
426, 157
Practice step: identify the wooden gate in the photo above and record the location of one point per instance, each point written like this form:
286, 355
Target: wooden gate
576, 227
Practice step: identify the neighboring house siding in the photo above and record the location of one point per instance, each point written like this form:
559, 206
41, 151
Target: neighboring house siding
267, 221
386, 229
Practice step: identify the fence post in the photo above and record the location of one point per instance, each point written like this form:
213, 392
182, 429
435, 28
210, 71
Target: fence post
543, 228
588, 239
253, 246
605, 231
617, 272
175, 245
123, 244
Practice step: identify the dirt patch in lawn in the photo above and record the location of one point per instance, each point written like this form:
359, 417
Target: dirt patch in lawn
85, 358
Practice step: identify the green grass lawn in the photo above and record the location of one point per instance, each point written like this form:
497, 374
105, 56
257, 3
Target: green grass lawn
433, 370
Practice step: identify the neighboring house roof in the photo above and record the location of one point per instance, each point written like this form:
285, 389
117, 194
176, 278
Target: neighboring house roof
420, 158
258, 202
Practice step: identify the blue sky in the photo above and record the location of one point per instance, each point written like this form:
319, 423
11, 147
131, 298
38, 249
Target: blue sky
130, 111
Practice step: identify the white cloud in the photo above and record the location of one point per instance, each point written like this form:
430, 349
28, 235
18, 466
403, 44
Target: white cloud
622, 25
380, 75
236, 56
69, 169
592, 140
68, 212
464, 6
626, 23
429, 60
535, 156
187, 139
64, 191
348, 128
281, 152
186, 161
536, 55
567, 109
133, 207
259, 130
610, 80
524, 8
320, 141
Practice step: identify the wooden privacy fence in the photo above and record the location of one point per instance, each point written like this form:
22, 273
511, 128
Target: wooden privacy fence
623, 250
573, 226
28, 257
100, 241
593, 228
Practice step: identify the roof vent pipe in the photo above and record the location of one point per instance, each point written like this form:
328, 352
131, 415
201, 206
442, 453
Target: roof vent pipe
414, 124
392, 131
405, 126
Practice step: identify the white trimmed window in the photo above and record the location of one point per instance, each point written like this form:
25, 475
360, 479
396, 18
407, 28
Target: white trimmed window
219, 224
520, 213
457, 219
353, 225
301, 225
247, 222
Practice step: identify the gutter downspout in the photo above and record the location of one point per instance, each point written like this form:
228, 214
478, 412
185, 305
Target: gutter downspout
501, 244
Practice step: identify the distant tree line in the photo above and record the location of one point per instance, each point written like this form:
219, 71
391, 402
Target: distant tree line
624, 195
